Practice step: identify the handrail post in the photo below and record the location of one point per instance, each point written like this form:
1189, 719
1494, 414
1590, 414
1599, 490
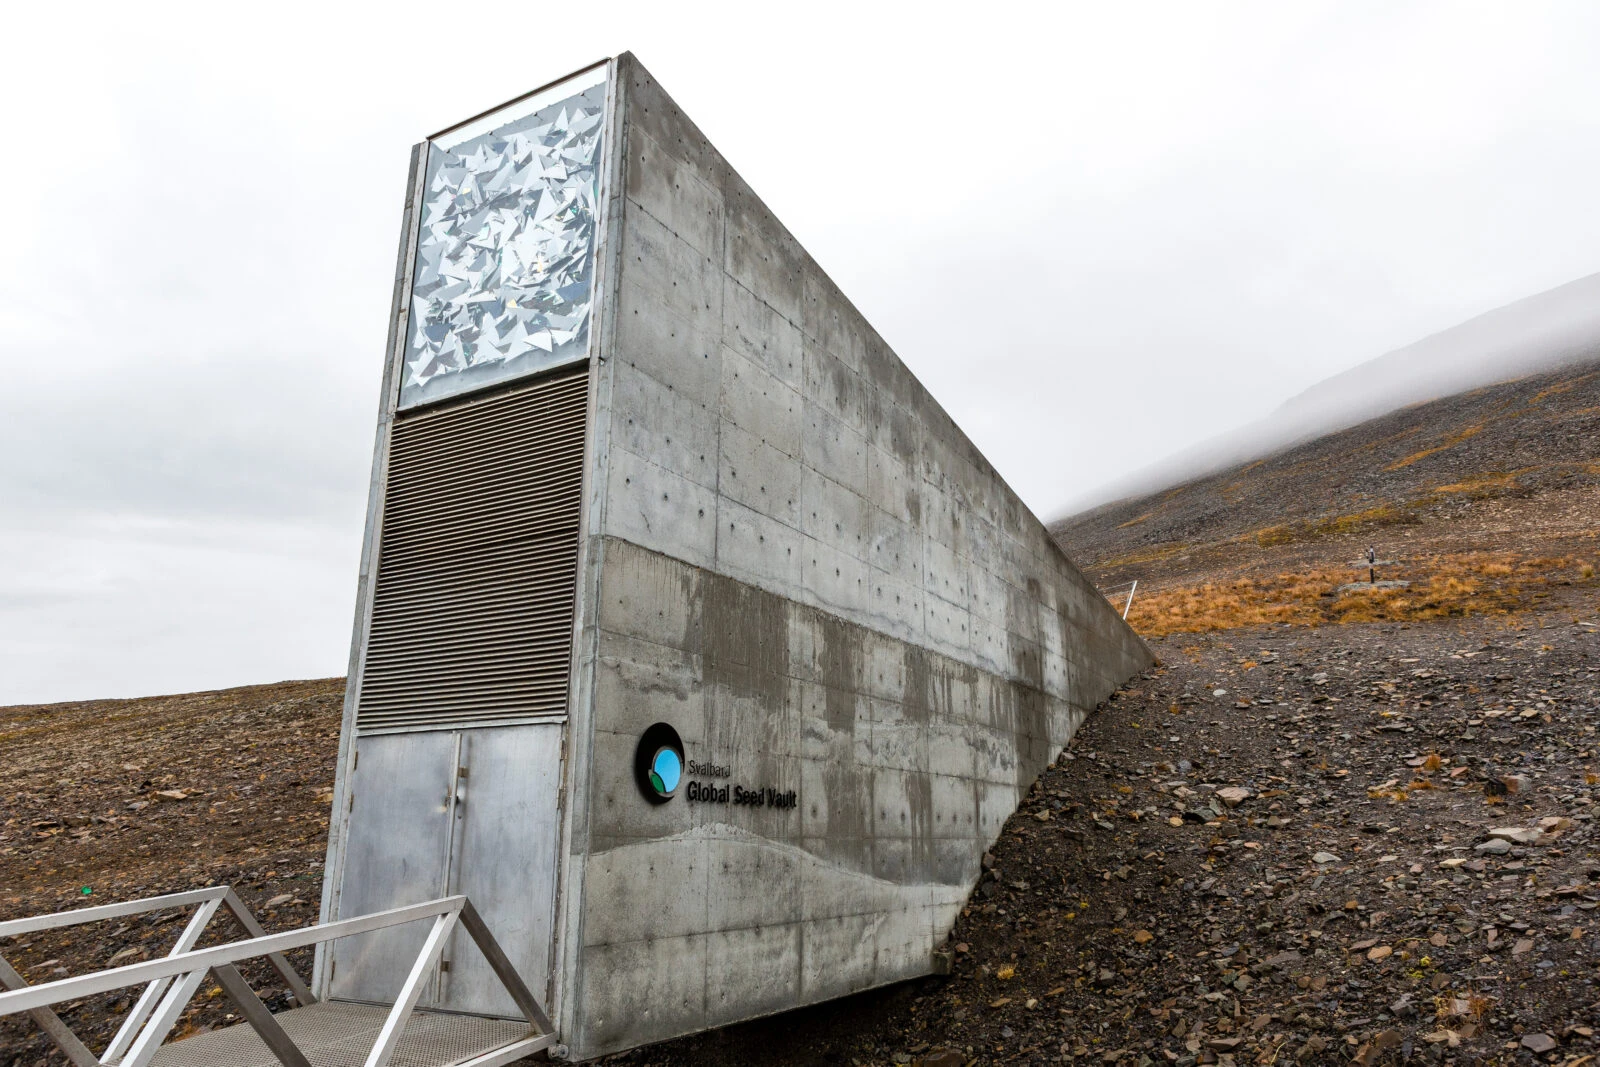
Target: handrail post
395, 1024
162, 1021
50, 1022
245, 918
521, 995
129, 1030
260, 1019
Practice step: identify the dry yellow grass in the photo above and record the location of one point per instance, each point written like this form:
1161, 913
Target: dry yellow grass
1148, 555
1333, 526
1555, 390
1449, 442
1442, 587
1276, 535
1483, 485
1382, 515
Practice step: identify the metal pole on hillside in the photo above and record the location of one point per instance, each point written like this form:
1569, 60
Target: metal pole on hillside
1129, 604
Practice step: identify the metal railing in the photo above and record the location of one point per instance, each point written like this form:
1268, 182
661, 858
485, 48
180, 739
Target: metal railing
171, 982
1111, 595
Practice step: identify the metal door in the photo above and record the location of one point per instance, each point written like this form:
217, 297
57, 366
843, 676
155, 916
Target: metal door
395, 853
444, 812
503, 857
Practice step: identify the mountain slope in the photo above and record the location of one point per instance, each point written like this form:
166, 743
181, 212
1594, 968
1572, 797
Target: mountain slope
1507, 474
1534, 335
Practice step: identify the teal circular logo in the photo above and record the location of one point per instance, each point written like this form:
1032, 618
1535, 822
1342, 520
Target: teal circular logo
658, 763
665, 769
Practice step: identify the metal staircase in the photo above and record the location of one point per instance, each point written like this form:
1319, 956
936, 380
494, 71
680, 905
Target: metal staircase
312, 1034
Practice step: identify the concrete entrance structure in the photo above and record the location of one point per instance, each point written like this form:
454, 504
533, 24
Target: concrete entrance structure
695, 642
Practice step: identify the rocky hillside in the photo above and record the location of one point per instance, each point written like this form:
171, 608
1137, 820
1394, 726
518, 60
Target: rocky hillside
1495, 488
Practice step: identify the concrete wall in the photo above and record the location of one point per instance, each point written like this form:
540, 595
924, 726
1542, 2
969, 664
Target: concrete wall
808, 570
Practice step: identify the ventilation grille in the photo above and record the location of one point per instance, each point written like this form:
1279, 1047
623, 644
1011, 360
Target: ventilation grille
477, 562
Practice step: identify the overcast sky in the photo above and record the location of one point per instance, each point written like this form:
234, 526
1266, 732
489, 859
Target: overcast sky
1097, 232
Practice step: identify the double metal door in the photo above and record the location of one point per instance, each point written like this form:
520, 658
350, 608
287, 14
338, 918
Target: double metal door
471, 811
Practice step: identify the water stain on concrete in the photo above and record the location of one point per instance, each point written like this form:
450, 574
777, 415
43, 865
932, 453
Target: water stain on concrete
745, 640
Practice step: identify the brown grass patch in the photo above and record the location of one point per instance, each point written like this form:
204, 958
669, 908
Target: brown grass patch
1333, 526
1449, 442
1211, 606
1275, 535
1483, 486
1148, 555
1135, 522
1442, 587
1382, 515
1562, 387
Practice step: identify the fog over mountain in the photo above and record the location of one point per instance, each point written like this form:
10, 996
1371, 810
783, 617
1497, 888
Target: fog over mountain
1096, 233
1533, 334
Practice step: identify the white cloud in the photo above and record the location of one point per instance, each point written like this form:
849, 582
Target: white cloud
1099, 233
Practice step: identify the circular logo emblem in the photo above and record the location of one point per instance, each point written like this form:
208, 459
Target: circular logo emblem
665, 769
658, 763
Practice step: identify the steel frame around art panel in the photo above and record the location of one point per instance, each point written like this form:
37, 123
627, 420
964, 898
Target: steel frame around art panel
508, 226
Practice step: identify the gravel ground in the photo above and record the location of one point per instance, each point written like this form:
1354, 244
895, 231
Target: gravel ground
1278, 847
111, 800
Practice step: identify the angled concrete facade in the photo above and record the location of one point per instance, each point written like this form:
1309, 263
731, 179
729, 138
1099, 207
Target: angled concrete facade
641, 467
803, 565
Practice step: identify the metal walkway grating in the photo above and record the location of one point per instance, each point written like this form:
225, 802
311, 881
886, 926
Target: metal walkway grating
341, 1035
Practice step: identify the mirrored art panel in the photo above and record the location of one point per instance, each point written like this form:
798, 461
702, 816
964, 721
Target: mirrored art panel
503, 283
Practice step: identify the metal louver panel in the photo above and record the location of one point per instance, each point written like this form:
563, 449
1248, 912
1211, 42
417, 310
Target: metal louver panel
477, 562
